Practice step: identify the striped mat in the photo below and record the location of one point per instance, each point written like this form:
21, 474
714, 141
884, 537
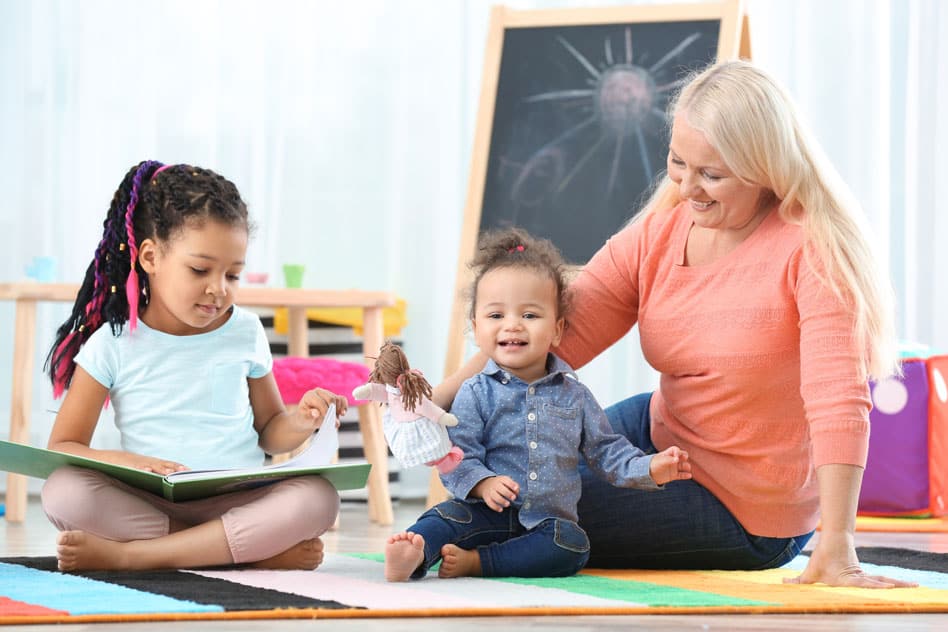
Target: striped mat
352, 586
903, 525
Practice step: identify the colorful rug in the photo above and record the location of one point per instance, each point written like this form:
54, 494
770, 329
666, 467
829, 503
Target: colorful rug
351, 586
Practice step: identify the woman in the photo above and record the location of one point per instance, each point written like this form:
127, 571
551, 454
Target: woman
758, 301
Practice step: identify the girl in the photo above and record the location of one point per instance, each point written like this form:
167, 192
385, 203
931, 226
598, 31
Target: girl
523, 423
155, 331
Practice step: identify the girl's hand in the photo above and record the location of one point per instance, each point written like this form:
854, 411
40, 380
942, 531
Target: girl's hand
671, 464
497, 492
147, 463
315, 403
834, 562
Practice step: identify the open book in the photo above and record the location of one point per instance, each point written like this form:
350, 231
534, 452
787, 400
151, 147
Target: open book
194, 484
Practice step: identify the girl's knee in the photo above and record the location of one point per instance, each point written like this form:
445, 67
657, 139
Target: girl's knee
314, 501
68, 499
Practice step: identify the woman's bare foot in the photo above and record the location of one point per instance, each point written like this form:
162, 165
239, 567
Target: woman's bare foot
81, 551
458, 562
303, 556
404, 552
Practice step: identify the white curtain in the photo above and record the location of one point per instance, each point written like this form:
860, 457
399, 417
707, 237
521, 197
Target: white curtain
348, 129
920, 234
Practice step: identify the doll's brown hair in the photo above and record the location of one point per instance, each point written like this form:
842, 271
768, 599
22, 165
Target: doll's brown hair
516, 248
392, 368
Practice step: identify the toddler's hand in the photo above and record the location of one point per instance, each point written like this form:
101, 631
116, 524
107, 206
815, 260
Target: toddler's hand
497, 492
669, 465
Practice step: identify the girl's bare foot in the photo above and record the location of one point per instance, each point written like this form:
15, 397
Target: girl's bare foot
458, 562
303, 556
404, 552
81, 551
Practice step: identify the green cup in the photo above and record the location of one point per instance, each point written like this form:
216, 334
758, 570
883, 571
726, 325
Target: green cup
293, 274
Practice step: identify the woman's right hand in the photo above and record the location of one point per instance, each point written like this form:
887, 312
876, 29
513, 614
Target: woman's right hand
834, 563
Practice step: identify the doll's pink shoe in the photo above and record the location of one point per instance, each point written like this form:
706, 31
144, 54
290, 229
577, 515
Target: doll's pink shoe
449, 461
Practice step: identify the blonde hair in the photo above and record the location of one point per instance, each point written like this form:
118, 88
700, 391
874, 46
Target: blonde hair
753, 124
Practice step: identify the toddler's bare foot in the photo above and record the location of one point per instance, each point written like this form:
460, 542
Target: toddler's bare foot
404, 552
303, 556
458, 562
81, 551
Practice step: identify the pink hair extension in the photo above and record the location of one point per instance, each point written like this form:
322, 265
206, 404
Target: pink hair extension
62, 370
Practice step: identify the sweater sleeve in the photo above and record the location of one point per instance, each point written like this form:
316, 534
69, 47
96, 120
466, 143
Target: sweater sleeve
605, 298
835, 394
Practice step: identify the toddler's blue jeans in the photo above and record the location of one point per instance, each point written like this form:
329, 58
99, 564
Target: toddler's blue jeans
554, 548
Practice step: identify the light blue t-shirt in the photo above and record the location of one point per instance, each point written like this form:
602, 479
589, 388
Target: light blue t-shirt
184, 398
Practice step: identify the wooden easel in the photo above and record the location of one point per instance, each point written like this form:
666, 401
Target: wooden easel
733, 42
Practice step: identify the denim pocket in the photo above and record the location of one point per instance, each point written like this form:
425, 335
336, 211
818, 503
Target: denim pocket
228, 388
560, 427
455, 511
561, 411
570, 536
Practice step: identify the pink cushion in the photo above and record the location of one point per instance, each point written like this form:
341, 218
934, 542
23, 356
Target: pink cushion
294, 376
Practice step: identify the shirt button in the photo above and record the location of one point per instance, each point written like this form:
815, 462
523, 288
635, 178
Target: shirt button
533, 476
531, 416
526, 505
531, 390
533, 445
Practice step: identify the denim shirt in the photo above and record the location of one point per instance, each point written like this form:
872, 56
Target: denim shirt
535, 434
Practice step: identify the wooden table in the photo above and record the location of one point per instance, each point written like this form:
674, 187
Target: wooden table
28, 294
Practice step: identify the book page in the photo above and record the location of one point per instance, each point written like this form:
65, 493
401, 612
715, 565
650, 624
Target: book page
322, 448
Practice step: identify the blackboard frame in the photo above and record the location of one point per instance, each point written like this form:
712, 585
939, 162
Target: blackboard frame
733, 42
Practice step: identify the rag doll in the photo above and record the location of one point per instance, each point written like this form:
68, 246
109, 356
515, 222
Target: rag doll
414, 426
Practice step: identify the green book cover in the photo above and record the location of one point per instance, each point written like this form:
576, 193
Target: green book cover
180, 486
40, 463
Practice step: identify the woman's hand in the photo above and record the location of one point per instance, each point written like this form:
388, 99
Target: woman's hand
497, 491
315, 403
834, 563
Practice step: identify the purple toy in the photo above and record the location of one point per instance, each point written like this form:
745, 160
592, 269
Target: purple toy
908, 445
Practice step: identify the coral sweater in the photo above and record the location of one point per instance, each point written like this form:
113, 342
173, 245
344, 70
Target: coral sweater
759, 375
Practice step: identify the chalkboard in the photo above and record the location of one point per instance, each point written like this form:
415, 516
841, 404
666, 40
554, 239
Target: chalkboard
579, 128
571, 126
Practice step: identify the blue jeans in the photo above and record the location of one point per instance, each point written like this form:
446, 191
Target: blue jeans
683, 526
553, 548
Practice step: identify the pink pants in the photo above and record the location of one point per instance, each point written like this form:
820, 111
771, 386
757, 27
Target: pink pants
258, 523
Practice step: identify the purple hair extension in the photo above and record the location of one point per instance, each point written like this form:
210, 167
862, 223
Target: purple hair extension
131, 284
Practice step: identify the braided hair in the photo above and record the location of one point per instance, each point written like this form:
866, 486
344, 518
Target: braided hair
392, 368
152, 202
516, 248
